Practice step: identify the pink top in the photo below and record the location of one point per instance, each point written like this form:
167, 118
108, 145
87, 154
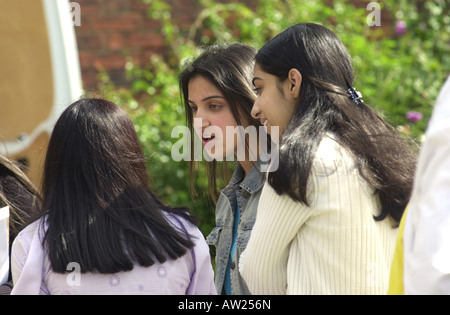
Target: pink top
32, 273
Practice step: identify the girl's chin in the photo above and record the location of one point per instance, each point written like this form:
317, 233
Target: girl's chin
219, 155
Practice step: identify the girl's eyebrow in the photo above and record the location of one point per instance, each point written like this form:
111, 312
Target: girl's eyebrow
211, 97
208, 98
254, 79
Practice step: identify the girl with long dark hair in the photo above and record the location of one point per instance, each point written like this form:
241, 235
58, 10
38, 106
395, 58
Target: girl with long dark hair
102, 230
216, 90
327, 217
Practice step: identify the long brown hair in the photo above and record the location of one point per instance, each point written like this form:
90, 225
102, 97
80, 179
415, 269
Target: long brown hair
230, 68
19, 193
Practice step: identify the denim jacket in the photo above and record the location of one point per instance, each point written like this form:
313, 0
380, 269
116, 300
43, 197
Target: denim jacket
245, 192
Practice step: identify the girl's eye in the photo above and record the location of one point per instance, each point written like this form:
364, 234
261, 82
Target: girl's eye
214, 107
193, 109
257, 90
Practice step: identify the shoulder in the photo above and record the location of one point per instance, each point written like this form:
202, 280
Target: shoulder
30, 239
183, 225
30, 232
331, 157
28, 243
200, 251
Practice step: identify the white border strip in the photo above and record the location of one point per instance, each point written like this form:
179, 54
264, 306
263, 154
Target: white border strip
4, 213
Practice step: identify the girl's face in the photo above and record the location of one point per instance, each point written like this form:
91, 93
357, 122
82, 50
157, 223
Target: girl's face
276, 101
212, 114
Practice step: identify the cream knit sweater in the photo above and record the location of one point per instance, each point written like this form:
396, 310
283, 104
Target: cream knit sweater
332, 247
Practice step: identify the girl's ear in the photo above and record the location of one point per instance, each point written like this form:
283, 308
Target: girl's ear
295, 81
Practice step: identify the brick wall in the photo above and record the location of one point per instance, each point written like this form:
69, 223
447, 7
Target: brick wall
111, 30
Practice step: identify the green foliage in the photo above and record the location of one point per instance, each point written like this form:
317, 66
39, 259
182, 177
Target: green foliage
395, 73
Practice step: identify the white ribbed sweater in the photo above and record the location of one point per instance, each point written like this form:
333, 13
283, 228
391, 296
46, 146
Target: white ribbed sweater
332, 247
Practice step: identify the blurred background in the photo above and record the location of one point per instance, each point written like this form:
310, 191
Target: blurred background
131, 51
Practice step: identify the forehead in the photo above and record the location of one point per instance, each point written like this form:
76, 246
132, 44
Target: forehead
260, 76
257, 72
201, 87
257, 68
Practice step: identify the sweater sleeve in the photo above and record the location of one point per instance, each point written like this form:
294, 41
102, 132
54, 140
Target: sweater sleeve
263, 264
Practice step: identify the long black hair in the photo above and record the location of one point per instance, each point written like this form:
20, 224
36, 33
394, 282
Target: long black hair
229, 66
97, 203
384, 159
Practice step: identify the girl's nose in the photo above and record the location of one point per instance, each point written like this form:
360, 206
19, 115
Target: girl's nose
256, 111
200, 124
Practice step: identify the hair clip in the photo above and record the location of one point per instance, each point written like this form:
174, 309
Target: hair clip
355, 95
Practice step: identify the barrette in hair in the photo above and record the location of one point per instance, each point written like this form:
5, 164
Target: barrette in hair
355, 95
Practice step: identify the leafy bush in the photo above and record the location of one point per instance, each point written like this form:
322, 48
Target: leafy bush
399, 69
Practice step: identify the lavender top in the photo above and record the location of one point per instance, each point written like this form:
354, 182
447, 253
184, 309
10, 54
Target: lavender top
32, 273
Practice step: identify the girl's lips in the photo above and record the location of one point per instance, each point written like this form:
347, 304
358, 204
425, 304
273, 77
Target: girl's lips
264, 122
206, 140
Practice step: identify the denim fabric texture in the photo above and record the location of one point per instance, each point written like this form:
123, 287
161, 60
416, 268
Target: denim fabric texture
244, 191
